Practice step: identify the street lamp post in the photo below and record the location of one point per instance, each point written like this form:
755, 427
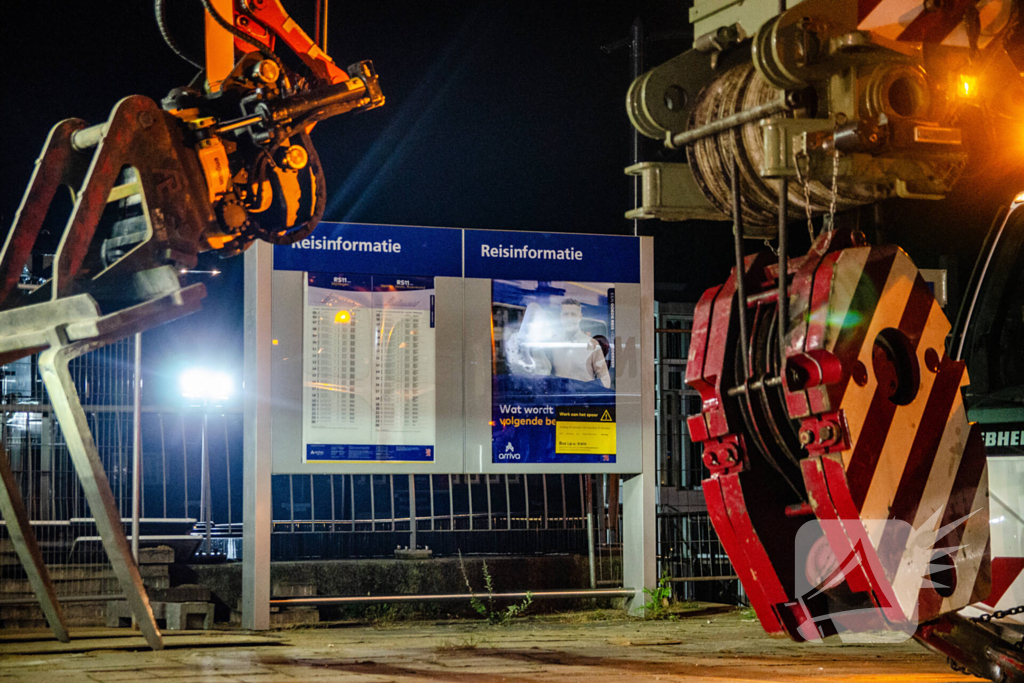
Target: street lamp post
202, 389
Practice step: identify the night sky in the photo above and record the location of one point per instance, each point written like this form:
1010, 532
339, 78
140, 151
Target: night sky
499, 115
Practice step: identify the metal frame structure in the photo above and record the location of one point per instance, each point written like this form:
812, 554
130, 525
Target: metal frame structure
639, 551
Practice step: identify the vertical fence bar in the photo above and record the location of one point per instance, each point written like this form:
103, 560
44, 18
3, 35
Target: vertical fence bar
590, 549
565, 513
508, 505
451, 504
391, 498
136, 444
373, 506
526, 496
205, 495
431, 479
469, 490
163, 460
344, 497
583, 497
122, 455
291, 503
490, 512
227, 465
184, 461
544, 490
412, 512
333, 509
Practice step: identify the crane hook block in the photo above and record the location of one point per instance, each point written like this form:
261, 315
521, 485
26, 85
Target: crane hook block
848, 488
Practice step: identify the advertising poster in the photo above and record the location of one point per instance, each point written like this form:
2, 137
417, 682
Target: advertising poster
553, 372
368, 361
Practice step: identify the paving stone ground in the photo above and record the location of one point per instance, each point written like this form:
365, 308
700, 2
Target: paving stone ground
591, 647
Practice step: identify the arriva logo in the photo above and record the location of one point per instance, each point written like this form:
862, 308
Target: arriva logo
510, 453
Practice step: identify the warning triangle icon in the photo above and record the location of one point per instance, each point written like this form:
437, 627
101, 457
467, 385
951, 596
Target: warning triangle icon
606, 417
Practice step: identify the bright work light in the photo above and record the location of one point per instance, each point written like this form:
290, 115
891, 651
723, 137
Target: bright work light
967, 86
204, 384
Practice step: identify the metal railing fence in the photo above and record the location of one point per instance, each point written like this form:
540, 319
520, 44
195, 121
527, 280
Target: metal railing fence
43, 471
346, 515
546, 513
688, 547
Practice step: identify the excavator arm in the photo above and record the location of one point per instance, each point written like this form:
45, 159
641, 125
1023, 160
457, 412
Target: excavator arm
214, 166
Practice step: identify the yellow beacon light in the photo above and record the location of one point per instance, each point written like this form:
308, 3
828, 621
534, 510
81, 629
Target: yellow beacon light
342, 317
967, 86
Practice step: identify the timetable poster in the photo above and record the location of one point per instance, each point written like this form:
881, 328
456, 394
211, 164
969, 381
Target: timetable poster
553, 382
368, 367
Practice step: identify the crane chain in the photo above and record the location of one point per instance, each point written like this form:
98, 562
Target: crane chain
999, 614
984, 619
1002, 614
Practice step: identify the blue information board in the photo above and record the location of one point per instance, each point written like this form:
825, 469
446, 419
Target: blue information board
375, 249
500, 254
543, 325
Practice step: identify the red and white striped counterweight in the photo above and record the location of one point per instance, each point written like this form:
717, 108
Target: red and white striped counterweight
863, 435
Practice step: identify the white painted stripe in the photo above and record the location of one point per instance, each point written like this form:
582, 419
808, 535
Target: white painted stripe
891, 304
968, 559
891, 17
905, 422
911, 573
848, 270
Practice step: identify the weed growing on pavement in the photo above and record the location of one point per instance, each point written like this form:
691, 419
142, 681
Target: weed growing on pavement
470, 642
494, 617
658, 598
385, 615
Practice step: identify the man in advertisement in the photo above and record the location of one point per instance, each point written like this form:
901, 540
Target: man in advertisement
577, 355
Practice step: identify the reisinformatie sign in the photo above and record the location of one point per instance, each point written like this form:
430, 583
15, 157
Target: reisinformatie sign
402, 349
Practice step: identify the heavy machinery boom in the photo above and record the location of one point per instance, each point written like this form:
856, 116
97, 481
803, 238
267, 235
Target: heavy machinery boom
216, 165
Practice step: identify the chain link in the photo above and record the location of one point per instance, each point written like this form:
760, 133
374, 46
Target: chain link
835, 191
806, 183
986, 618
1002, 614
999, 614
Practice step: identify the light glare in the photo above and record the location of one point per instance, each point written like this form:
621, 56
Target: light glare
206, 384
967, 86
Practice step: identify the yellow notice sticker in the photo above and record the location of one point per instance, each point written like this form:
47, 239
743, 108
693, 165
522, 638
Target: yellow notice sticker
585, 431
